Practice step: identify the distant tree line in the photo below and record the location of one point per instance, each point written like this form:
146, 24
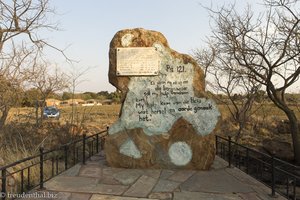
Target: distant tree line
31, 96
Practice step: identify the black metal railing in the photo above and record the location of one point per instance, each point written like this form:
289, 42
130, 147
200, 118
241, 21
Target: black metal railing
282, 177
34, 171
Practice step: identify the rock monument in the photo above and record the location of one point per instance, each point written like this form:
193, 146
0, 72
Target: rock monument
166, 119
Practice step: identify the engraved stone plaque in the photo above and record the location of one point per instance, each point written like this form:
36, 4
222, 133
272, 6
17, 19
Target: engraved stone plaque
137, 61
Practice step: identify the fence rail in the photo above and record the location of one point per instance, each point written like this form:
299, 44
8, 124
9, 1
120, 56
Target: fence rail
282, 177
34, 171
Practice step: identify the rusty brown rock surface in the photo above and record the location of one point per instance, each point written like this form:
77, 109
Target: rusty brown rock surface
155, 147
161, 136
145, 38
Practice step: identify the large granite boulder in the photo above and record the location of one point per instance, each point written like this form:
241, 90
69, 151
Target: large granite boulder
166, 119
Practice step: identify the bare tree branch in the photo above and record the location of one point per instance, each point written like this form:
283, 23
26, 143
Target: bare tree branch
268, 50
21, 47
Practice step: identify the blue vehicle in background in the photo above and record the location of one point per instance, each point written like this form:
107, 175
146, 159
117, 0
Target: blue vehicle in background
51, 112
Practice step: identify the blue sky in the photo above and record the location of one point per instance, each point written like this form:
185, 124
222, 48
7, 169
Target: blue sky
88, 27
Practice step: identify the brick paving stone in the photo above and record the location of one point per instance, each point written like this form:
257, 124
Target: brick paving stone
181, 175
154, 173
99, 163
90, 171
108, 189
108, 175
109, 180
161, 195
102, 153
73, 184
218, 163
62, 196
106, 197
80, 196
73, 171
127, 176
96, 158
165, 186
249, 196
83, 185
241, 176
264, 192
103, 163
165, 173
142, 187
110, 171
204, 196
217, 181
97, 181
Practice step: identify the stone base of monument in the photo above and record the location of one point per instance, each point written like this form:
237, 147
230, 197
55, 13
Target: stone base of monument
181, 147
167, 120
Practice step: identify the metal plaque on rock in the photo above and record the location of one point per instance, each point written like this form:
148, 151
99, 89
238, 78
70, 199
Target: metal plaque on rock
136, 61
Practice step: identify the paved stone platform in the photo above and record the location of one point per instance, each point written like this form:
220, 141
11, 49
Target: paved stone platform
97, 181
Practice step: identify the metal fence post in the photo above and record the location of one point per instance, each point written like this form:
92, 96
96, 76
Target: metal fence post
83, 148
41, 168
216, 145
3, 180
229, 151
22, 181
97, 143
28, 178
247, 160
294, 188
66, 156
103, 138
273, 176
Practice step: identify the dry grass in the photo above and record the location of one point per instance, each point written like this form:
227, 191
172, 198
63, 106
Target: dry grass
92, 117
268, 122
21, 138
267, 110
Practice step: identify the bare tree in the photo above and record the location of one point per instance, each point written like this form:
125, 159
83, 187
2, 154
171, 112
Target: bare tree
21, 21
10, 92
47, 80
25, 19
240, 89
205, 57
76, 79
12, 66
267, 49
